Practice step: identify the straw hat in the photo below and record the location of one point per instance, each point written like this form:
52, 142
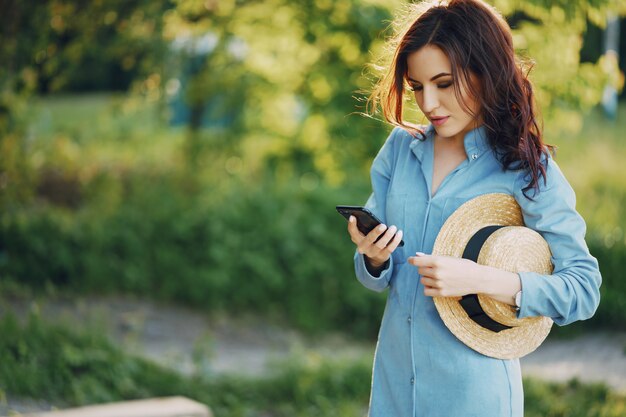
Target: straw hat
489, 229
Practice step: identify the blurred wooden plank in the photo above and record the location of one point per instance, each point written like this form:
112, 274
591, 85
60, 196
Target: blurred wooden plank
153, 407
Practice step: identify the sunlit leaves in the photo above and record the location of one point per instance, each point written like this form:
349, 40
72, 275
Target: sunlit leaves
270, 67
298, 70
564, 86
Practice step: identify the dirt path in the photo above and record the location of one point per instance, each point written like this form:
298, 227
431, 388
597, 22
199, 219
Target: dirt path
594, 357
172, 336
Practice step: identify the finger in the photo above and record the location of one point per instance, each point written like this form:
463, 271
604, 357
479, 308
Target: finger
427, 272
422, 260
386, 238
429, 282
422, 266
396, 241
431, 292
354, 231
375, 233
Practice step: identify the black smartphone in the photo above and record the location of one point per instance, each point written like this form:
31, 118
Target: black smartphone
366, 220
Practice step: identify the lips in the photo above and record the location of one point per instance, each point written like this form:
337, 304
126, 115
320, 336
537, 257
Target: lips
438, 121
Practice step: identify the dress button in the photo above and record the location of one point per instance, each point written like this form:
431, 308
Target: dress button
408, 319
474, 156
412, 381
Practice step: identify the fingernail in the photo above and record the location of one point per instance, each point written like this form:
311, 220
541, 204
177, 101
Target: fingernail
382, 227
420, 253
351, 220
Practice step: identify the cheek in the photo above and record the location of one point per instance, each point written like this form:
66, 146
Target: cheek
452, 102
471, 109
469, 103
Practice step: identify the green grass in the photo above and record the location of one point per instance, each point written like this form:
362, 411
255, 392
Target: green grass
112, 131
64, 113
90, 117
97, 132
592, 160
69, 368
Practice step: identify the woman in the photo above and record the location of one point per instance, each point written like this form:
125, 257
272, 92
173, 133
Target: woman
457, 59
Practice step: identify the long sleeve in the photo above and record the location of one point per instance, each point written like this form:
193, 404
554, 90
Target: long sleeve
380, 172
572, 292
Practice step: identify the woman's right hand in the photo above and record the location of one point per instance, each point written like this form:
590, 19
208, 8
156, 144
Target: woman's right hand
376, 252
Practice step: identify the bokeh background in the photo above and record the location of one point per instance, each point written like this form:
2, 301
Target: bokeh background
189, 153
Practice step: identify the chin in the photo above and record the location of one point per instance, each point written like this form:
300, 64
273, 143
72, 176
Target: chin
447, 131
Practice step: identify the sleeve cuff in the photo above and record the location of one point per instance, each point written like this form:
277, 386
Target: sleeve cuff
530, 291
378, 283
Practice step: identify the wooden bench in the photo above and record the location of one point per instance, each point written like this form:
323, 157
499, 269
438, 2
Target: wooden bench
153, 407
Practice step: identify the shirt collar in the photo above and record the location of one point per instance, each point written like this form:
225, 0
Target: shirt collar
416, 144
475, 142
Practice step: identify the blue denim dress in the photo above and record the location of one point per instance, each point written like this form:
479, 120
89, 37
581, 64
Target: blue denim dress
420, 368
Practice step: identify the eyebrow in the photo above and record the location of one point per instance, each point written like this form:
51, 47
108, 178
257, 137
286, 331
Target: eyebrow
441, 74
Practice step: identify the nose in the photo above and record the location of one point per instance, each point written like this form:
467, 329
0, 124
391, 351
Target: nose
430, 99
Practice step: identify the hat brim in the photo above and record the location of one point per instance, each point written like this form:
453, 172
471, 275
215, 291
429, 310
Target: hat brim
527, 334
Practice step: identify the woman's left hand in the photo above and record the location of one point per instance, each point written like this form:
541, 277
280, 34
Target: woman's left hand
446, 276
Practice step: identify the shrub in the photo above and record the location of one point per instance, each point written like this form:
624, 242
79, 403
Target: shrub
56, 364
277, 250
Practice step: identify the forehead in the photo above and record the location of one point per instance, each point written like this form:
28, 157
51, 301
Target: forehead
427, 62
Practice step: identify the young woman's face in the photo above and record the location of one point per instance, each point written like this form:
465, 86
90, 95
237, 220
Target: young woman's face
430, 78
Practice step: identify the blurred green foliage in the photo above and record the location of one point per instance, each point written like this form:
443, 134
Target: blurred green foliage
51, 362
220, 252
235, 212
571, 399
56, 45
276, 80
100, 194
225, 237
70, 368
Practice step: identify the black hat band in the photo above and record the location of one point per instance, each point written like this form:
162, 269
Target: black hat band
470, 302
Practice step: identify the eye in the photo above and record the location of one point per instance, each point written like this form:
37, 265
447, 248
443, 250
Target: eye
415, 87
444, 85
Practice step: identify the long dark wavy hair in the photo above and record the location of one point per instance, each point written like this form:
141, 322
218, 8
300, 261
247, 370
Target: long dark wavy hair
477, 40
